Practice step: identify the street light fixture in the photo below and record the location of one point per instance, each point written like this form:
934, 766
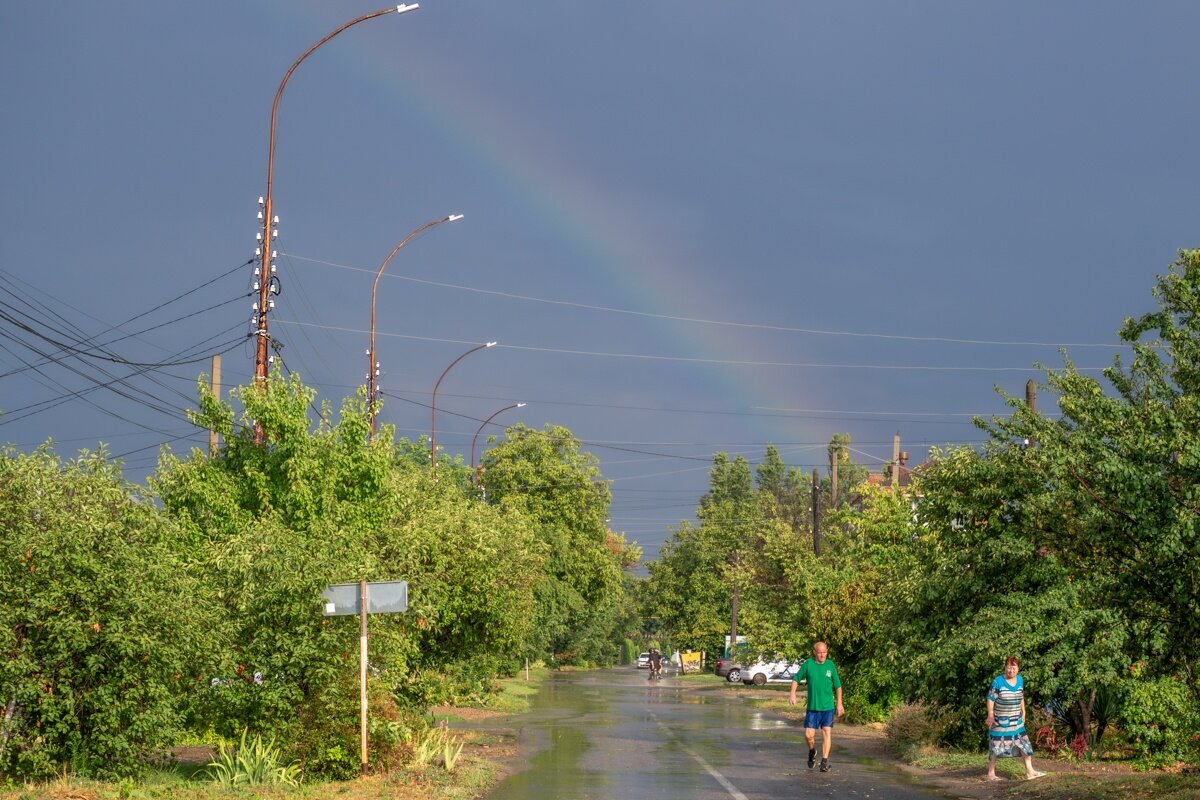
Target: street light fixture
433, 402
484, 425
265, 271
372, 363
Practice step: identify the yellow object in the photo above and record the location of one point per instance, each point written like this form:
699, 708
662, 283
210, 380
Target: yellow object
690, 662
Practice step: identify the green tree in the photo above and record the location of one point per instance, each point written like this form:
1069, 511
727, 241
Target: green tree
272, 522
992, 585
1121, 470
104, 629
545, 476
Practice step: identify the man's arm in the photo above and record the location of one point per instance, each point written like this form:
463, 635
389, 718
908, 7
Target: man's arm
792, 692
838, 694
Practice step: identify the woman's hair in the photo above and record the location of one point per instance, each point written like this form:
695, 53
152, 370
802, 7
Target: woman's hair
1012, 661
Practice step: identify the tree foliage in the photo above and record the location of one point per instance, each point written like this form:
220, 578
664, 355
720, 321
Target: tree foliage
103, 627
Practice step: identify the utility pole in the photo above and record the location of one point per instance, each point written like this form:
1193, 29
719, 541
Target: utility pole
213, 436
1031, 402
816, 513
833, 477
733, 617
267, 284
896, 460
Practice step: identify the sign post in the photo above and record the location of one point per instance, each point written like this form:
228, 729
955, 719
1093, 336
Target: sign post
362, 598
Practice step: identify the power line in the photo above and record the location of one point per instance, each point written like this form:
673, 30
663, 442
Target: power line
701, 321
727, 362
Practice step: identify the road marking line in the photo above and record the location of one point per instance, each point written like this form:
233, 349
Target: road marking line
721, 779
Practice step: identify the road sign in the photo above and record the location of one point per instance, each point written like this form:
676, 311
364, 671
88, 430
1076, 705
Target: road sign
349, 599
383, 597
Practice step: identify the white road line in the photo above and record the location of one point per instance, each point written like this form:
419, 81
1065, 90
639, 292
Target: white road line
721, 779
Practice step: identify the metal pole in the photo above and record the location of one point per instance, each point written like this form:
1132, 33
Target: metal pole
372, 363
362, 674
433, 403
484, 425
266, 266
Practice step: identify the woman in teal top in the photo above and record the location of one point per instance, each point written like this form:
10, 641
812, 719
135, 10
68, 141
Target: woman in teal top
1007, 737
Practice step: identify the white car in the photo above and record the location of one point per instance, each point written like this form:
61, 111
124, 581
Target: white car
764, 672
643, 661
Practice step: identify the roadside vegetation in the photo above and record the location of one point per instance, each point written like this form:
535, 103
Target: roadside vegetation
1069, 540
188, 611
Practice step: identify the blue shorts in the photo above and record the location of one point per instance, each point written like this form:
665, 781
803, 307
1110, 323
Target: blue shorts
818, 719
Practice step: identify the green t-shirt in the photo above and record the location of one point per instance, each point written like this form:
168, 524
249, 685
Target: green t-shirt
822, 680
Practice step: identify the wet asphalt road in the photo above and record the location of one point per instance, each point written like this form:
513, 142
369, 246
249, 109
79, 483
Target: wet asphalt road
614, 735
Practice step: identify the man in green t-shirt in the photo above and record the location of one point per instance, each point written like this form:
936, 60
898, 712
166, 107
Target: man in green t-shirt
824, 701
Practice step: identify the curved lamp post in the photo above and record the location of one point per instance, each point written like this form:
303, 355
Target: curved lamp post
433, 402
484, 425
266, 266
373, 365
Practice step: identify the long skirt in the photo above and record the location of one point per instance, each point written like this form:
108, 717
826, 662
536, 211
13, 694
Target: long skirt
1010, 745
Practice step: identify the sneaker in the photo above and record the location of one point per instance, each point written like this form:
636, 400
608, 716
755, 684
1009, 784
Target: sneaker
824, 765
812, 758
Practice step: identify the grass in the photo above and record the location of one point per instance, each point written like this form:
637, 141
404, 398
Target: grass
1161, 786
515, 692
475, 771
1066, 780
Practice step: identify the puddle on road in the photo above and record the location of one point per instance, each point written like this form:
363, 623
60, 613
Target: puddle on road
758, 722
554, 771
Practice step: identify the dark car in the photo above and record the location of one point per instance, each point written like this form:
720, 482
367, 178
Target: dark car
730, 669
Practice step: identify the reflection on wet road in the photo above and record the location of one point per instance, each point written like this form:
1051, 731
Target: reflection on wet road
612, 734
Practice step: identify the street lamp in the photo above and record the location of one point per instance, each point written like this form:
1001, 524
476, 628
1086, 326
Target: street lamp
484, 425
265, 271
433, 402
372, 364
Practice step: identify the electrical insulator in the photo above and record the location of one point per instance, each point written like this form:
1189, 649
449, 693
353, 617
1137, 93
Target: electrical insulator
272, 269
260, 201
258, 236
257, 286
270, 359
257, 270
276, 220
368, 351
275, 233
274, 254
260, 215
376, 372
258, 251
270, 304
376, 366
254, 305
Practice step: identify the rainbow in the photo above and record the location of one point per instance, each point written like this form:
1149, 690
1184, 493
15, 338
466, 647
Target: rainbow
641, 267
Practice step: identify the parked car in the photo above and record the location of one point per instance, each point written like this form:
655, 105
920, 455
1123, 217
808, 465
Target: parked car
643, 661
729, 668
779, 670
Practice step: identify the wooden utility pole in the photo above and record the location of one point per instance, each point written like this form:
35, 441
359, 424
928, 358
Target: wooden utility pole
896, 459
816, 513
1031, 395
833, 477
733, 604
213, 436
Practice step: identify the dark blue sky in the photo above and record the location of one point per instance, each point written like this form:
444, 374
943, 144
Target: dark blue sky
691, 227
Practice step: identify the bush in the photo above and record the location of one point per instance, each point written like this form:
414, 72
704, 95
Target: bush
102, 626
1159, 716
915, 724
